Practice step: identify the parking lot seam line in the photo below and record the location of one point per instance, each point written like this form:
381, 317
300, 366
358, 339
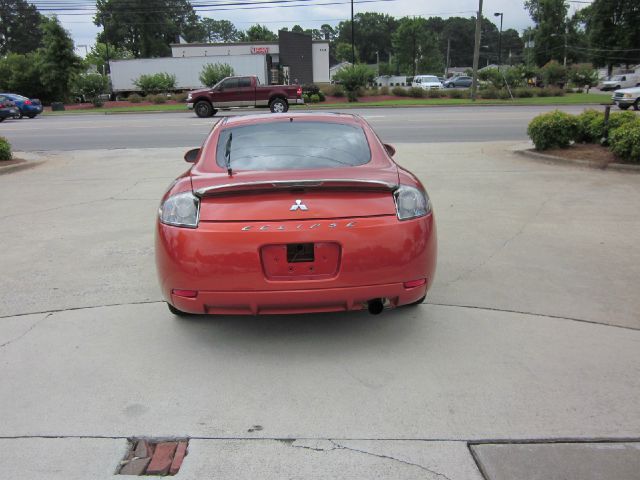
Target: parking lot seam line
482, 441
533, 314
70, 309
23, 334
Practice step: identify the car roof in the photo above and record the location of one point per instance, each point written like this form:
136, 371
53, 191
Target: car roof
328, 117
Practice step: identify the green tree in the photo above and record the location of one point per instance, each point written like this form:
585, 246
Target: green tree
97, 57
343, 52
373, 33
144, 27
156, 83
613, 30
260, 33
91, 86
21, 73
352, 78
58, 61
553, 73
19, 27
416, 47
220, 31
212, 73
460, 33
550, 17
583, 75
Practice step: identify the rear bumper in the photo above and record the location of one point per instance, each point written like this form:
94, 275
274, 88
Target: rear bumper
296, 301
222, 262
299, 101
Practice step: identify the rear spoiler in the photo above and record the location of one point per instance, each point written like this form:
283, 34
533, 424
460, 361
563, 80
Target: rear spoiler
333, 183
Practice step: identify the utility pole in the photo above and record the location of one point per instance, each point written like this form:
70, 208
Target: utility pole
353, 39
446, 68
476, 52
566, 32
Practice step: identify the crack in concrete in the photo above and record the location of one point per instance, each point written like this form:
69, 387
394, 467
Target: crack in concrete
504, 244
389, 457
89, 307
23, 334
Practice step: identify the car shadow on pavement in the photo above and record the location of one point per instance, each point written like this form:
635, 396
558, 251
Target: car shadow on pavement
352, 329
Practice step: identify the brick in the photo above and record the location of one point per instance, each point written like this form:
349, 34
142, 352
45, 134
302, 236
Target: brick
178, 458
143, 449
162, 458
136, 466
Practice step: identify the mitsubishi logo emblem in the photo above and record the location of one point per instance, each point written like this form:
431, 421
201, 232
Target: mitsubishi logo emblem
298, 206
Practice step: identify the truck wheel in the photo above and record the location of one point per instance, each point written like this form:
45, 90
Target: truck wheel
636, 106
622, 107
278, 105
203, 109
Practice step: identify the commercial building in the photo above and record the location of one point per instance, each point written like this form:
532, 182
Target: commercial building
293, 58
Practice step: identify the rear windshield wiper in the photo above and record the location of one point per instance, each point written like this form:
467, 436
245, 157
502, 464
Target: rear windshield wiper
227, 154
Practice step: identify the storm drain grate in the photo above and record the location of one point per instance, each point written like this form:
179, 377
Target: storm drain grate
153, 457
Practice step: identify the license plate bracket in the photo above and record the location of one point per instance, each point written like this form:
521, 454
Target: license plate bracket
300, 261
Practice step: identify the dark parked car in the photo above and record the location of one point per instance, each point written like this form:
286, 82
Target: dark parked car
461, 81
8, 108
27, 107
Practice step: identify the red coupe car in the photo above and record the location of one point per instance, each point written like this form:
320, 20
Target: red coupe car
294, 213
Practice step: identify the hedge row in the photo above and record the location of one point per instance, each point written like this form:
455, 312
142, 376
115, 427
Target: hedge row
559, 130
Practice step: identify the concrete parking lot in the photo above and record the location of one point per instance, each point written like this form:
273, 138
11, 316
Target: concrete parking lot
524, 362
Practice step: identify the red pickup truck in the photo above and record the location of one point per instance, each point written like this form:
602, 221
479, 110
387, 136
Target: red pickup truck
243, 92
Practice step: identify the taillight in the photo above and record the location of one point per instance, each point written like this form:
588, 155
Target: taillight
27, 102
299, 91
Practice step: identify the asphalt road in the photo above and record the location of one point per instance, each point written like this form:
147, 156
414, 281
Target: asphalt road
394, 125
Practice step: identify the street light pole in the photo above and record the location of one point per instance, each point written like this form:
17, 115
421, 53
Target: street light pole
353, 39
476, 52
501, 15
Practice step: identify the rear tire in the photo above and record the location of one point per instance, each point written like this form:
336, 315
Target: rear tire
176, 312
31, 116
623, 107
417, 302
203, 109
278, 105
636, 106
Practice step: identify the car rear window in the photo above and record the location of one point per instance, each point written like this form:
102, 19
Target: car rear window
293, 145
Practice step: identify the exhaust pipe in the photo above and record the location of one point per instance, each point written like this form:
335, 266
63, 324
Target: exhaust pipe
375, 306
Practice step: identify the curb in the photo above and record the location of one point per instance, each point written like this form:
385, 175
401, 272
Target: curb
346, 105
619, 167
19, 165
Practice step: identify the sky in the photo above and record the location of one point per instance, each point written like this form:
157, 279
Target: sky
515, 15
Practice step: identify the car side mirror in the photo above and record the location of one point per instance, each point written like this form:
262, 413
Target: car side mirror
391, 150
192, 155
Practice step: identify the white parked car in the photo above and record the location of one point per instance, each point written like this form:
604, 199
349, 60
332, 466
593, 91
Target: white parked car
427, 82
621, 81
626, 98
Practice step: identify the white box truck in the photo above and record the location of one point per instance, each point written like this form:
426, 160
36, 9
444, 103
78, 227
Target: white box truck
186, 70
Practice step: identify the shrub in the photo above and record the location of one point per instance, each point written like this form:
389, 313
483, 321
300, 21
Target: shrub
212, 73
158, 99
543, 92
156, 83
399, 92
624, 141
5, 149
492, 76
455, 93
315, 98
91, 86
416, 92
523, 92
135, 98
311, 89
552, 129
489, 93
590, 126
338, 91
435, 93
384, 90
618, 119
353, 78
180, 97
